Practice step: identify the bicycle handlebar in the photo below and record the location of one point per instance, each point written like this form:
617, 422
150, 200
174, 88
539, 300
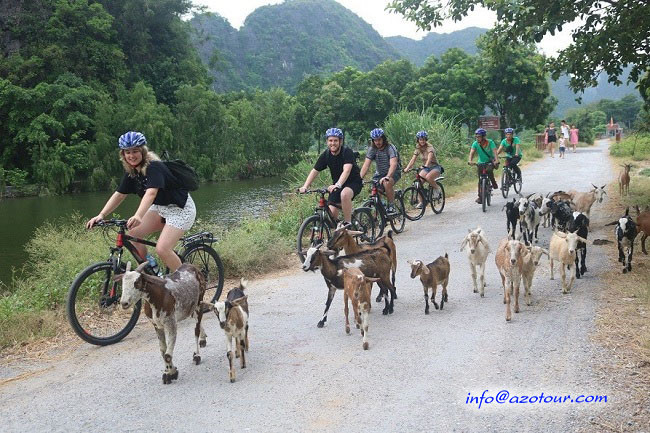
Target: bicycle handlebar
111, 222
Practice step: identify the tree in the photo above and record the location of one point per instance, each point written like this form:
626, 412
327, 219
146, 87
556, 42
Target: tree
611, 35
515, 82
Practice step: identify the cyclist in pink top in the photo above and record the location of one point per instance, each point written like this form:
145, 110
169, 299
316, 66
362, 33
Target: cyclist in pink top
573, 137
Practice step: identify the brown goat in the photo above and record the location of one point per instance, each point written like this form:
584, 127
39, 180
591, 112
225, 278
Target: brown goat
624, 180
357, 288
436, 272
509, 259
643, 225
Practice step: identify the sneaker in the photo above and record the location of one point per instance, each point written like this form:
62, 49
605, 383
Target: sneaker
478, 200
390, 209
495, 186
419, 206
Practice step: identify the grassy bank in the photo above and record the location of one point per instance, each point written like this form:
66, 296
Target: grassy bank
31, 307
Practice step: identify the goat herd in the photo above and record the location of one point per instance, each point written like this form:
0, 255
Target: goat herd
179, 295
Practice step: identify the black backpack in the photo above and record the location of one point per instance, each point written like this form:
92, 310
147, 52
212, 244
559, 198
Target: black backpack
185, 175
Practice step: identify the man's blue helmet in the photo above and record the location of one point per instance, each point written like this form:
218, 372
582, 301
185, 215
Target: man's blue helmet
376, 133
421, 134
132, 139
334, 132
480, 131
509, 131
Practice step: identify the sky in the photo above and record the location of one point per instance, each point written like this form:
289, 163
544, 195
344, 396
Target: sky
385, 23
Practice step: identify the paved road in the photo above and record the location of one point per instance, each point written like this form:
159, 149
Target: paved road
415, 377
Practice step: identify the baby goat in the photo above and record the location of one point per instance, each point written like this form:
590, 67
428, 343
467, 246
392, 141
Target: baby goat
477, 251
431, 275
509, 260
233, 319
357, 288
169, 300
512, 216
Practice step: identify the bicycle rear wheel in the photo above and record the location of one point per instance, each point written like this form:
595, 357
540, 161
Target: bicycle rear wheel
437, 205
413, 197
209, 263
377, 217
517, 185
312, 231
93, 306
397, 221
362, 221
505, 184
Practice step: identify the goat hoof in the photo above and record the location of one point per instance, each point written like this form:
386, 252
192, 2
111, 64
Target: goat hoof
358, 326
446, 297
197, 359
165, 379
174, 375
365, 346
203, 343
426, 311
347, 330
379, 298
442, 304
320, 324
482, 295
384, 312
624, 271
232, 380
395, 296
475, 290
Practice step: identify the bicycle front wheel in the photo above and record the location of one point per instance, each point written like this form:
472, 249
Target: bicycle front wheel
362, 221
312, 231
505, 184
414, 203
93, 306
484, 193
397, 221
209, 263
438, 204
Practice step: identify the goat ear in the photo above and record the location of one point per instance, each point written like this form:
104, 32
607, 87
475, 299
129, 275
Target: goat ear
410, 262
463, 244
243, 283
545, 251
141, 267
355, 232
425, 268
207, 306
581, 239
469, 230
372, 279
238, 301
627, 211
118, 277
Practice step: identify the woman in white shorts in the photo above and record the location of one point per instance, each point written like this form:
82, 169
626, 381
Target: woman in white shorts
164, 206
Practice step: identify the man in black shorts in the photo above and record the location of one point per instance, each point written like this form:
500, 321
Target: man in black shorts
344, 170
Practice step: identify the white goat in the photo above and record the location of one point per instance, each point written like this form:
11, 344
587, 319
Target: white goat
584, 200
563, 249
477, 251
530, 263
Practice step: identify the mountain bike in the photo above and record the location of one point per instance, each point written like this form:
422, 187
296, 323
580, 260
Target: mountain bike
485, 188
509, 178
317, 228
416, 197
378, 209
93, 300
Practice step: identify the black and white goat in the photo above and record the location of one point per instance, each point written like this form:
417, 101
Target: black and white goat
625, 231
580, 226
562, 214
529, 219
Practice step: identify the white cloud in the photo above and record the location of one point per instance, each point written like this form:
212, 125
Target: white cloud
385, 23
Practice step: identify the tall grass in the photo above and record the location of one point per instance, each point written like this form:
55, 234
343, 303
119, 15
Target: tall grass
635, 146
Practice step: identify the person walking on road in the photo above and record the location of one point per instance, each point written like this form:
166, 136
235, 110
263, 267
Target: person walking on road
552, 139
573, 137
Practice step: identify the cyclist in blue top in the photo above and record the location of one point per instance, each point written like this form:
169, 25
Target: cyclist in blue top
511, 145
486, 150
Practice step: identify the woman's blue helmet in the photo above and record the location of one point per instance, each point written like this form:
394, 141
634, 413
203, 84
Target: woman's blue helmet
421, 134
132, 139
480, 131
334, 132
509, 131
376, 133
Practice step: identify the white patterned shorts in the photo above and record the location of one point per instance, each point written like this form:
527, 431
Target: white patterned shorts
180, 218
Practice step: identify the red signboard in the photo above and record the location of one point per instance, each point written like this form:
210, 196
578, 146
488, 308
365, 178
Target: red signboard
489, 122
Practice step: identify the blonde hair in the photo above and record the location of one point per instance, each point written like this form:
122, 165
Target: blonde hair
147, 157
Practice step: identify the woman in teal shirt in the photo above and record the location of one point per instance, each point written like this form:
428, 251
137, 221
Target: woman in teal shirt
486, 150
513, 150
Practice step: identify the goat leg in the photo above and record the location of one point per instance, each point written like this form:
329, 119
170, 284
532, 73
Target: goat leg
433, 295
197, 333
231, 357
346, 310
473, 269
426, 299
242, 349
643, 244
170, 338
507, 295
330, 296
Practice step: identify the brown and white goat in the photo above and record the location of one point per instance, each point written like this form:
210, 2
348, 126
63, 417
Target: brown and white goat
583, 201
357, 289
372, 263
477, 251
509, 259
233, 319
529, 266
624, 180
563, 249
431, 275
343, 239
169, 300
643, 225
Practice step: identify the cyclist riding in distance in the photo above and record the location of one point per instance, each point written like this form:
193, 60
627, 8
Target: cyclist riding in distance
387, 165
163, 208
346, 182
486, 150
431, 169
511, 145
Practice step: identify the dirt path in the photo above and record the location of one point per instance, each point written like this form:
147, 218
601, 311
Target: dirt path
415, 377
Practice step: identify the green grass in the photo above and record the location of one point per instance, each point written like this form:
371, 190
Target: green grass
635, 146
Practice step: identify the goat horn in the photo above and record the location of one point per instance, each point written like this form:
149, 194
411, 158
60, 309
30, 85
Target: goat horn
594, 186
603, 187
128, 266
355, 232
528, 198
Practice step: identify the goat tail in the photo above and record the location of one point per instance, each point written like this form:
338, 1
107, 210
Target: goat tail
446, 255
